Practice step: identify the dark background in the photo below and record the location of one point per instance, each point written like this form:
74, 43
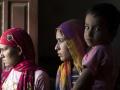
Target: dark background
51, 14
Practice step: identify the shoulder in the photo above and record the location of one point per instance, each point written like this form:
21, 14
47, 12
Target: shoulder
42, 80
40, 74
99, 49
97, 54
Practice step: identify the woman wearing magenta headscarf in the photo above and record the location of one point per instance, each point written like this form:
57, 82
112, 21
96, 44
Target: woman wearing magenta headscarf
70, 48
17, 54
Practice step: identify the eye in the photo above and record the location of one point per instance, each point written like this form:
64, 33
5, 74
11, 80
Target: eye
96, 29
86, 27
2, 49
61, 40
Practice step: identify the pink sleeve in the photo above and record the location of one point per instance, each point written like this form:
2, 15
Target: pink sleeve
42, 81
95, 59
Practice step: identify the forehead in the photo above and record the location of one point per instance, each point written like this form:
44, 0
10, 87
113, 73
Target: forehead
59, 34
91, 19
2, 46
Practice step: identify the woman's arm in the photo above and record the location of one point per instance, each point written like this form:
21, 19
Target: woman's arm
84, 81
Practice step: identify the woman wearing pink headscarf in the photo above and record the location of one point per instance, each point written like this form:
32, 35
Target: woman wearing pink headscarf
17, 54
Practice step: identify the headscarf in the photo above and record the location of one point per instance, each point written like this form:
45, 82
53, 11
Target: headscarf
18, 37
74, 36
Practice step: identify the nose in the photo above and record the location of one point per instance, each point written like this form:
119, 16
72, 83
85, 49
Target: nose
57, 47
1, 55
90, 33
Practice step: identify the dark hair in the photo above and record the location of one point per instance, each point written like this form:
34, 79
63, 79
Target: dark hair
108, 12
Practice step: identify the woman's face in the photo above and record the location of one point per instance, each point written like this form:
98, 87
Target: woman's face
8, 55
61, 47
96, 31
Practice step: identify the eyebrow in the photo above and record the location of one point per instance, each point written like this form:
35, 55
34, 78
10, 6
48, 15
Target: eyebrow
60, 38
86, 24
3, 48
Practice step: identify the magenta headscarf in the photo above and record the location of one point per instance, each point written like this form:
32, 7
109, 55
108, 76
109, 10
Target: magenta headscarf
17, 36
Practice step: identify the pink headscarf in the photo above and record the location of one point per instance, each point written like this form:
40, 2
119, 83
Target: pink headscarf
17, 36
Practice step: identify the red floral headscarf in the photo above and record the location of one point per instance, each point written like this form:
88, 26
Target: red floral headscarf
17, 36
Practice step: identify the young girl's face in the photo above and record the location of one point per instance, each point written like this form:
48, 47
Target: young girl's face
61, 47
96, 31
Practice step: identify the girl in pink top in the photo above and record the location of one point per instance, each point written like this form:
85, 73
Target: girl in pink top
101, 24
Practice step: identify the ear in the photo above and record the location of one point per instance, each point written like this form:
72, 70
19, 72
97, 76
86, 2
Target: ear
19, 50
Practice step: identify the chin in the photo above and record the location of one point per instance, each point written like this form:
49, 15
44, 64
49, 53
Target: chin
62, 60
7, 65
89, 44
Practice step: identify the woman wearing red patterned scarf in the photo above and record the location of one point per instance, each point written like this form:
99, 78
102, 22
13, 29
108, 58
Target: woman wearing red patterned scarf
17, 54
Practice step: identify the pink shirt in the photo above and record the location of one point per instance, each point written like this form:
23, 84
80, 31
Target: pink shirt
99, 61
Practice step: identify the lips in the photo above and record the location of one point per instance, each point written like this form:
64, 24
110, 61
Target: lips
89, 39
59, 55
3, 60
